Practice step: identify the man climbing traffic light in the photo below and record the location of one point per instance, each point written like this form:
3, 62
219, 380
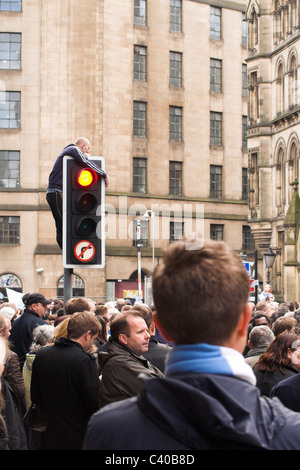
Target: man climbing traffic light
83, 215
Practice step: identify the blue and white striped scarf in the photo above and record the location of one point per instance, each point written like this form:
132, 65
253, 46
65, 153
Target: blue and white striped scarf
208, 359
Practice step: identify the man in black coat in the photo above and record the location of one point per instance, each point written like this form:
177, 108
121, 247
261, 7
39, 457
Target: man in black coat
22, 328
65, 384
288, 392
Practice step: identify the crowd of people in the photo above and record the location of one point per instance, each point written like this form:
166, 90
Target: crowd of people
120, 376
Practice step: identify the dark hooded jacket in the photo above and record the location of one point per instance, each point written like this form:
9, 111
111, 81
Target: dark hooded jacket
195, 411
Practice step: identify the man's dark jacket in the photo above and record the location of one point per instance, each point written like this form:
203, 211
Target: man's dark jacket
65, 384
195, 412
120, 368
288, 392
21, 333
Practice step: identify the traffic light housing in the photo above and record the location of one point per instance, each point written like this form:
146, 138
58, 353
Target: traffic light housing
83, 215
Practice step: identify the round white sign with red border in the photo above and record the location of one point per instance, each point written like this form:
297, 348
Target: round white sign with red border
84, 251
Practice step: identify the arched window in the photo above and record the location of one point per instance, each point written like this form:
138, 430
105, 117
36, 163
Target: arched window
280, 181
253, 97
293, 21
292, 82
253, 30
277, 22
280, 89
10, 281
293, 169
78, 287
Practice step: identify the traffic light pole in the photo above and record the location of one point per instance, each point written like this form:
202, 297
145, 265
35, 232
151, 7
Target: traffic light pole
68, 272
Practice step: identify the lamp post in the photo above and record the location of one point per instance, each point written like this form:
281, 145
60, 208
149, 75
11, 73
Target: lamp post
269, 261
146, 215
139, 265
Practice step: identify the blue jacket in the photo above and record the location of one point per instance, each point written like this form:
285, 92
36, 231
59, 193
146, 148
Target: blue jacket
195, 411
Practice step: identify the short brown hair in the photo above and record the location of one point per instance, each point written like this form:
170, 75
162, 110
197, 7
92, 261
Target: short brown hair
283, 324
77, 304
81, 322
145, 312
199, 291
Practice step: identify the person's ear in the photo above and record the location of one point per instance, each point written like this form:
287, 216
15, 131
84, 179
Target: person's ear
122, 338
161, 329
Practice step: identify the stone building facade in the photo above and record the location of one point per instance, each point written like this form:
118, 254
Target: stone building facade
159, 88
273, 137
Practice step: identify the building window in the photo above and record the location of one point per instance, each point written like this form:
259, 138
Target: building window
176, 15
253, 30
175, 68
10, 104
281, 167
215, 23
175, 126
139, 119
176, 231
293, 92
216, 75
10, 5
144, 229
248, 240
292, 170
10, 51
140, 175
10, 281
140, 63
9, 230
175, 178
253, 183
78, 287
244, 29
280, 89
216, 232
253, 97
244, 80
245, 184
244, 132
9, 169
215, 128
215, 182
140, 12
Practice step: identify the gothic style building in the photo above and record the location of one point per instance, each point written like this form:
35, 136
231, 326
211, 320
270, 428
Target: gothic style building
273, 137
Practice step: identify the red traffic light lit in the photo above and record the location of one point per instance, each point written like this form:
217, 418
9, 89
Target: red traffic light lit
86, 177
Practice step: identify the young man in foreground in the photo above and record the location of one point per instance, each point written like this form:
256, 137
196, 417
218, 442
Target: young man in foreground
208, 399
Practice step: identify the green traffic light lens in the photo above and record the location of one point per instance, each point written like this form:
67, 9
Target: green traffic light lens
86, 227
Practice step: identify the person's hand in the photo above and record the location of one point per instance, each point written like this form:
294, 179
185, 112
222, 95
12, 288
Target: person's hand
106, 181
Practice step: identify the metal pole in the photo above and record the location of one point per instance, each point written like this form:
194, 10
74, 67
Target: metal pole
67, 284
256, 276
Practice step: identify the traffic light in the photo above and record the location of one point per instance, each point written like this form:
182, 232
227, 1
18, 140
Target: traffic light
83, 215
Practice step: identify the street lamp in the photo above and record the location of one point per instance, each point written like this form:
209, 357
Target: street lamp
269, 261
146, 215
